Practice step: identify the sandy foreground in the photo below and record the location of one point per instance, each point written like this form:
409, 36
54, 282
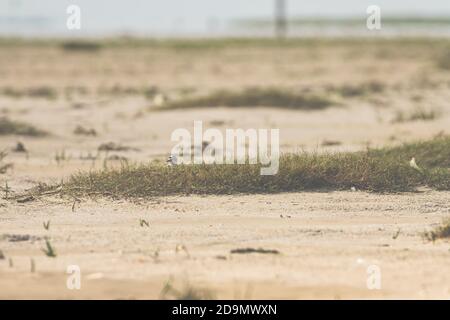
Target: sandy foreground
326, 241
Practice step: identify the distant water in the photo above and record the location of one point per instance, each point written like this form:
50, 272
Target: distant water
178, 18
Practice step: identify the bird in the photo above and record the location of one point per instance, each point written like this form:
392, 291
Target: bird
172, 160
414, 165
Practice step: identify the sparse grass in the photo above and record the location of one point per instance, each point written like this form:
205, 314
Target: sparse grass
3, 155
82, 131
7, 190
10, 127
118, 90
42, 92
362, 44
81, 46
330, 143
379, 170
61, 156
112, 146
188, 292
254, 250
253, 97
36, 92
418, 114
443, 60
440, 232
363, 89
4, 166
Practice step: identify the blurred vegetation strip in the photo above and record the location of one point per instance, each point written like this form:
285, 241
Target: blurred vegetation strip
81, 45
378, 170
12, 127
443, 60
253, 97
44, 92
402, 43
440, 232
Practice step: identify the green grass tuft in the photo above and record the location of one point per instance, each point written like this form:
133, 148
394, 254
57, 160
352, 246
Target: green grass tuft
379, 170
49, 251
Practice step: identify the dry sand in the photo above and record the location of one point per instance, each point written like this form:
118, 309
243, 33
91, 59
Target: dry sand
326, 243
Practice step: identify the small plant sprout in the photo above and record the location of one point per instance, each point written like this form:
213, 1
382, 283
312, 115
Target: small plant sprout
143, 223
396, 234
32, 266
49, 250
61, 156
46, 225
3, 155
4, 166
7, 189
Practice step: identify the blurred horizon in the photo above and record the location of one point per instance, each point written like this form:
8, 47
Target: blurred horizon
214, 18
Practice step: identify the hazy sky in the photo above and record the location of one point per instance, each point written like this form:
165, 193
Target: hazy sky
225, 8
178, 15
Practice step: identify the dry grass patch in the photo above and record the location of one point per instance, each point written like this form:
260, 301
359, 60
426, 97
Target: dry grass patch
36, 92
11, 127
359, 90
187, 292
82, 131
81, 46
440, 232
253, 97
443, 60
4, 166
418, 114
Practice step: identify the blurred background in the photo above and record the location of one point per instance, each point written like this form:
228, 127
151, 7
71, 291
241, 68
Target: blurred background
176, 18
137, 70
